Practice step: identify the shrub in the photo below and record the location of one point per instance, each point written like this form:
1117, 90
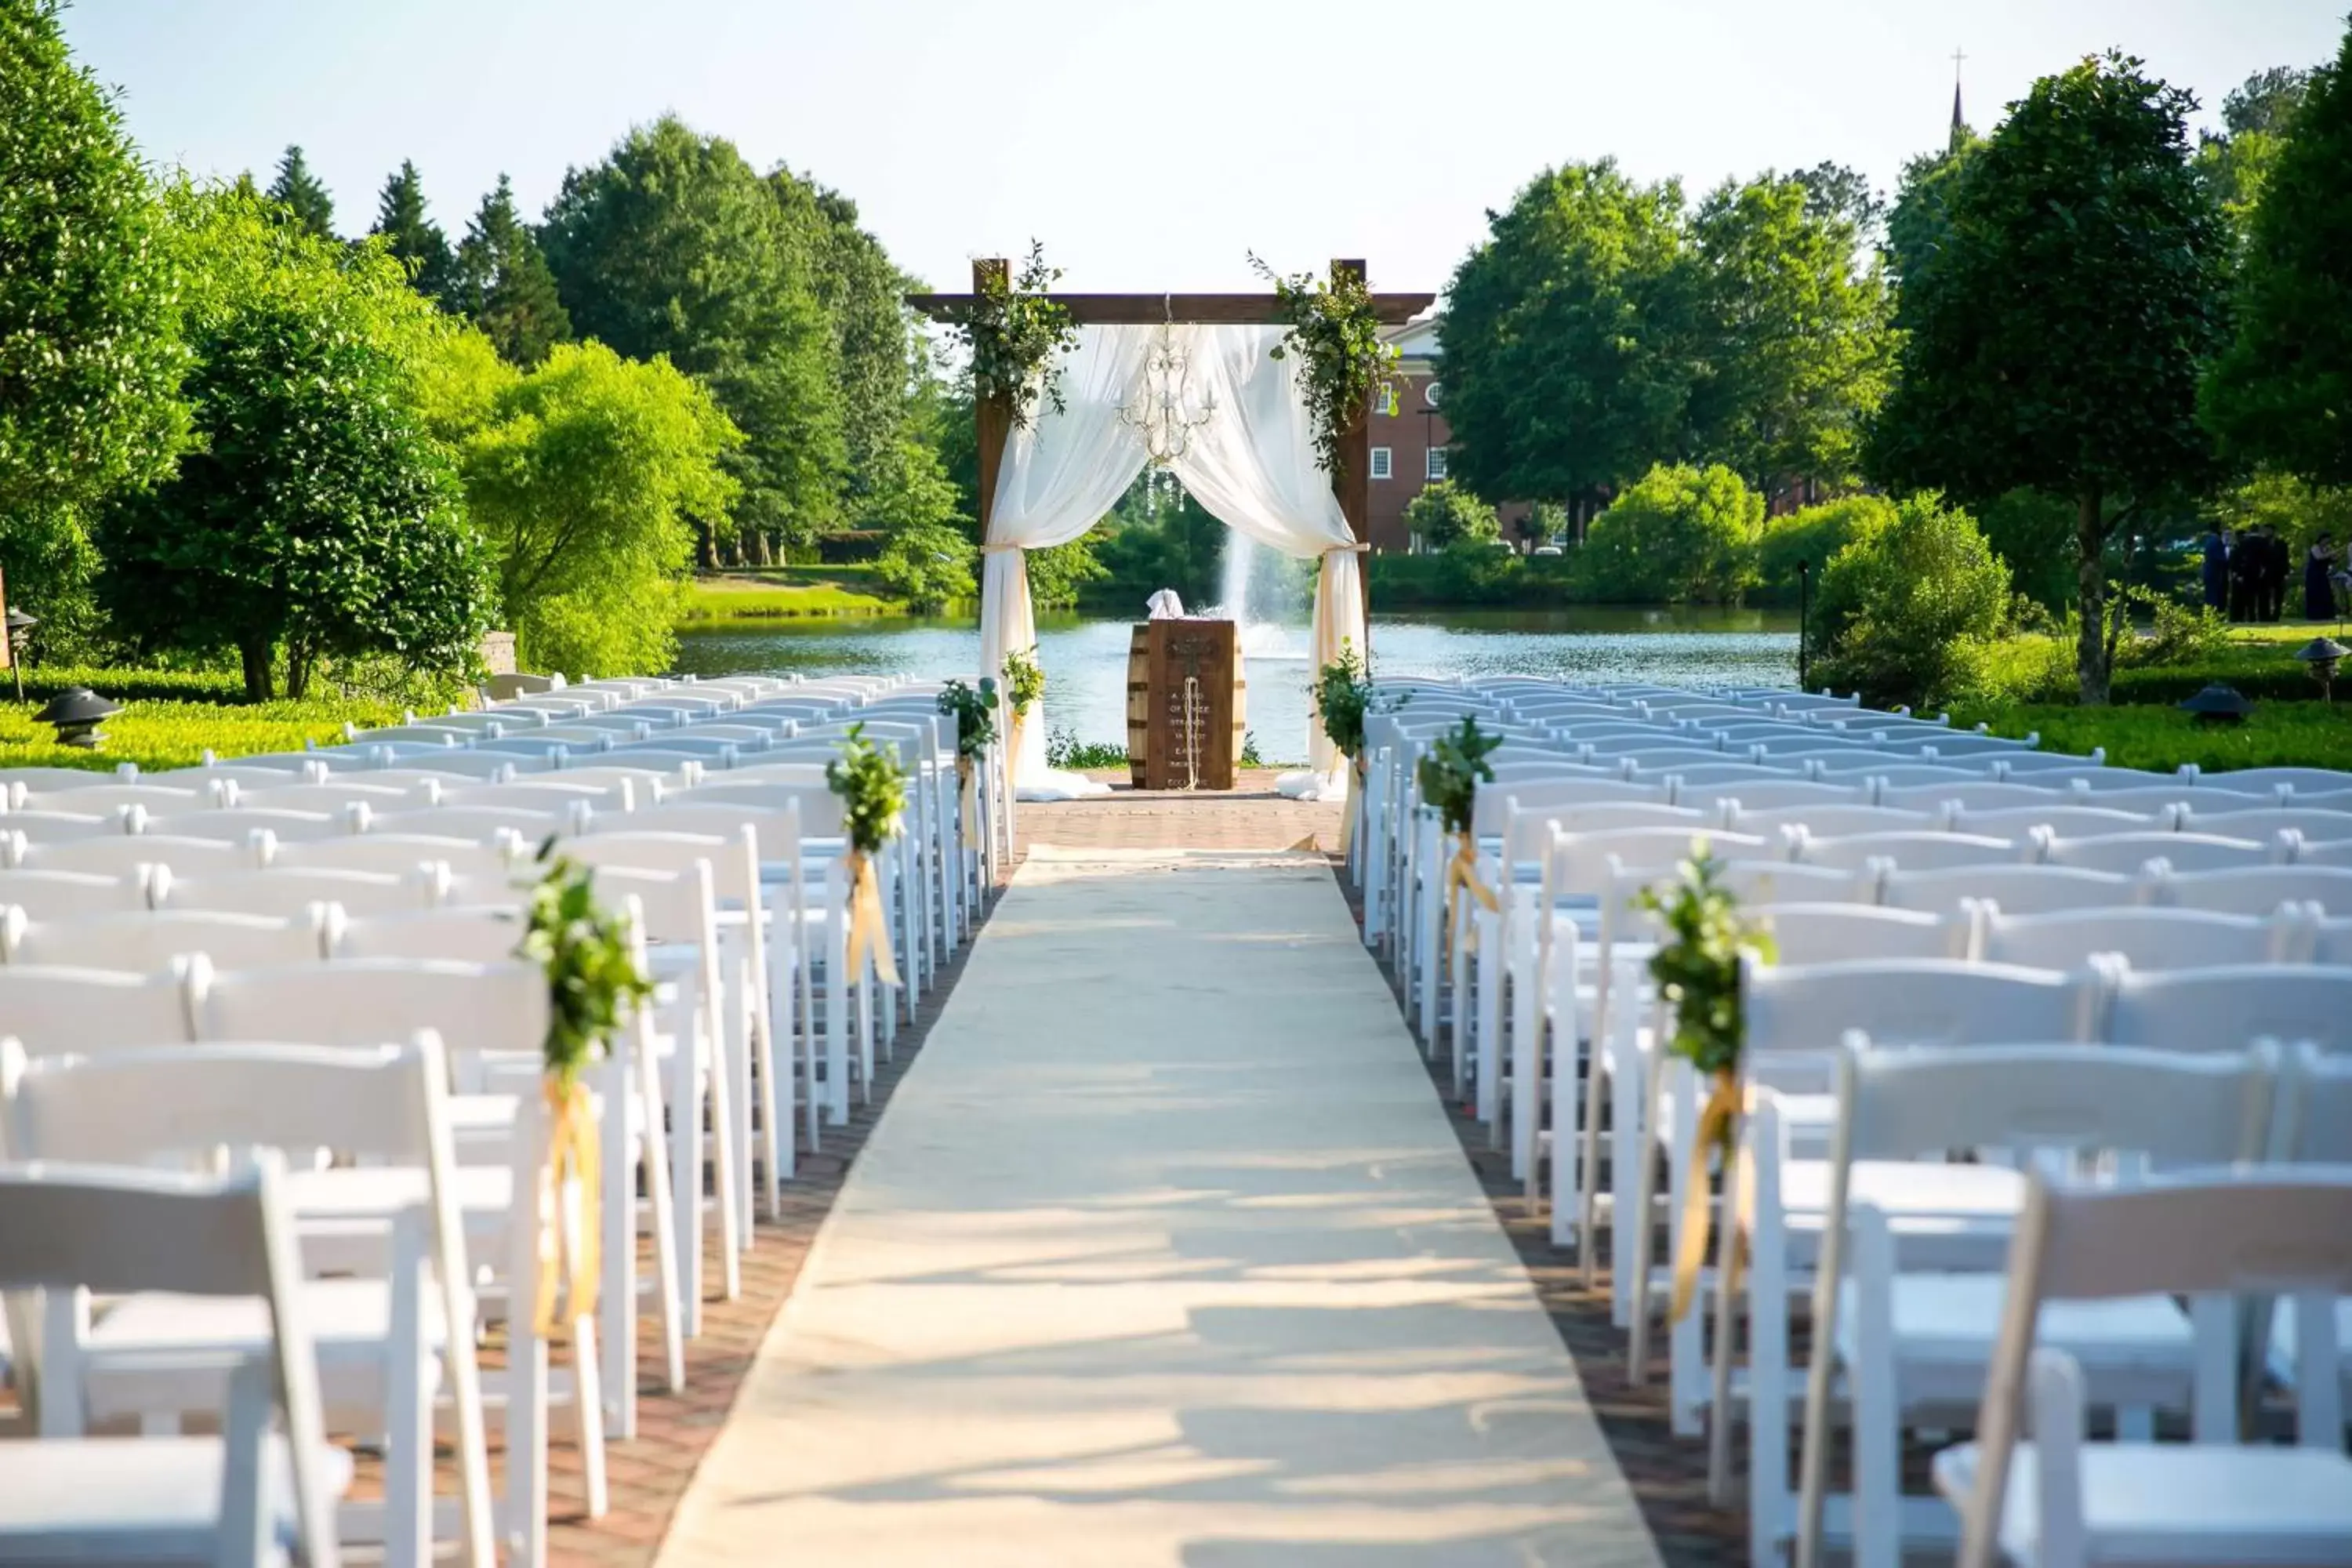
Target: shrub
1445, 515
1065, 750
1909, 609
161, 734
1674, 536
1812, 534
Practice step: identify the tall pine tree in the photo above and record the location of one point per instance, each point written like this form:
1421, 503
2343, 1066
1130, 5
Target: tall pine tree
306, 201
504, 284
414, 238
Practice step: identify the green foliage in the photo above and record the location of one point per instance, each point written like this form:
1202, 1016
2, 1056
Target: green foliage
1676, 535
2257, 117
2300, 512
2286, 730
1012, 333
876, 359
1148, 543
1696, 964
1908, 611
174, 733
2033, 533
413, 239
928, 558
2279, 395
502, 284
673, 246
1451, 771
1919, 223
1024, 681
1445, 515
1490, 579
1059, 574
1346, 363
90, 358
2056, 341
1813, 534
1567, 337
873, 790
303, 201
584, 484
581, 945
974, 708
1796, 341
51, 569
1343, 695
319, 513
1063, 749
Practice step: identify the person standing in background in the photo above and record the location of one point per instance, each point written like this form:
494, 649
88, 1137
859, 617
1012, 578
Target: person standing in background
2281, 566
2217, 568
2318, 580
2245, 575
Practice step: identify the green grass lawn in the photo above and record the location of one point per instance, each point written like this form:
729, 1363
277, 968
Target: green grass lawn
2279, 734
161, 735
790, 592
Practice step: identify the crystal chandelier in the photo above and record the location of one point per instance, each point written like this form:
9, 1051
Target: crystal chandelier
1164, 410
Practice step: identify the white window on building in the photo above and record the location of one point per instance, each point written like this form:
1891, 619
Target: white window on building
1380, 463
1435, 470
1387, 401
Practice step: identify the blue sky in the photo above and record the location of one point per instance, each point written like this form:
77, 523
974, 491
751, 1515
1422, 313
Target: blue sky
1149, 145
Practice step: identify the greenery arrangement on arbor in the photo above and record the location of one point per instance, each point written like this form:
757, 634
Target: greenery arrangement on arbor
2054, 341
974, 710
1451, 771
1345, 364
1343, 695
1012, 333
1024, 681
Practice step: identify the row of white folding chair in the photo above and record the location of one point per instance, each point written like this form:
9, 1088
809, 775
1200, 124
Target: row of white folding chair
267, 1484
1795, 1013
390, 1331
1907, 1341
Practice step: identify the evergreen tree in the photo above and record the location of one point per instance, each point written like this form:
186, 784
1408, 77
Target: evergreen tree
416, 240
504, 284
306, 201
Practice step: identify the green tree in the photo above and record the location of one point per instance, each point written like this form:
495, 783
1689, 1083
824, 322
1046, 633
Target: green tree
414, 239
2257, 118
1918, 223
2033, 533
2056, 343
1909, 608
2281, 394
673, 246
91, 357
1676, 535
1836, 191
503, 283
319, 514
1813, 534
1567, 337
304, 199
586, 481
877, 358
927, 558
1445, 515
1797, 347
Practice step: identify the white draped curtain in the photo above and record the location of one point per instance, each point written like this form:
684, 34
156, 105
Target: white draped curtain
1251, 464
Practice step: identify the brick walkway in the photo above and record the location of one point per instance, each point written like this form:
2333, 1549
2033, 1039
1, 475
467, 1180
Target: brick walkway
1252, 817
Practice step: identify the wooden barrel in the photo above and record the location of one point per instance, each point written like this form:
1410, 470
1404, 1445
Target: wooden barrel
1138, 703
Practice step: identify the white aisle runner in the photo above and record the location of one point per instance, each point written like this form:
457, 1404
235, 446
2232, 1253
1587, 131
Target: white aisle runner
1164, 1254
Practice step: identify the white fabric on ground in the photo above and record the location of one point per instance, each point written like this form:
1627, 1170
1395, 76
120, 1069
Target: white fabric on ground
1164, 1253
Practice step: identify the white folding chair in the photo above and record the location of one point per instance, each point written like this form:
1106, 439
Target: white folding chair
286, 891
251, 1494
503, 856
2144, 937
2222, 1006
2063, 820
71, 895
238, 824
2060, 1501
2017, 889
2128, 854
1906, 851
148, 939
50, 1009
2251, 889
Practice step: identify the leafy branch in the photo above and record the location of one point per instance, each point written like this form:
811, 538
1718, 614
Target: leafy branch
873, 791
1343, 695
975, 714
1024, 683
1014, 332
1452, 771
584, 947
1697, 965
1337, 333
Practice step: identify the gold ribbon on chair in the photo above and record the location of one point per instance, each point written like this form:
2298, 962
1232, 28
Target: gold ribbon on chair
967, 801
869, 932
1462, 875
1716, 1121
570, 1262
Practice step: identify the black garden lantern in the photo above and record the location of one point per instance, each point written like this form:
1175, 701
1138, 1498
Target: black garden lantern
2218, 704
76, 713
2319, 656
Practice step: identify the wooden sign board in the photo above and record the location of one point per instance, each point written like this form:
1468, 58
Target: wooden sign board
1185, 714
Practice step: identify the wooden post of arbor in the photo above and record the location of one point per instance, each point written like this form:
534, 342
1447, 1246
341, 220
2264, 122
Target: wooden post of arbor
991, 415
1353, 480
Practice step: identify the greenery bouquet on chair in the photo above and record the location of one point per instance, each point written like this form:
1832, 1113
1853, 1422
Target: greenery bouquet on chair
873, 791
1343, 696
974, 709
1449, 774
1697, 967
592, 980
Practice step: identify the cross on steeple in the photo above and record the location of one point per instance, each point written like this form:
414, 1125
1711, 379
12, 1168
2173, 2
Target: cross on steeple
1960, 124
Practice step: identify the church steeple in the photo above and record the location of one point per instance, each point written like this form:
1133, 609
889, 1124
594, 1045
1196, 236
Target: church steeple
1959, 123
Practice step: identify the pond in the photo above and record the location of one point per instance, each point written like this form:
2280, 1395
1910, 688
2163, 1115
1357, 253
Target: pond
1084, 658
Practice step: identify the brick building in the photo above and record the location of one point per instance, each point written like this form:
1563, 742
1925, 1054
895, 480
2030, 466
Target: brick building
1409, 437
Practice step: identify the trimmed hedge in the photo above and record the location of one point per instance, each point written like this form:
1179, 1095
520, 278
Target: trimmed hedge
130, 685
1475, 576
159, 735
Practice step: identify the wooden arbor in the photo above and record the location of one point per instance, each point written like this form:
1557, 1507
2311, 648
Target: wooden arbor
994, 415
